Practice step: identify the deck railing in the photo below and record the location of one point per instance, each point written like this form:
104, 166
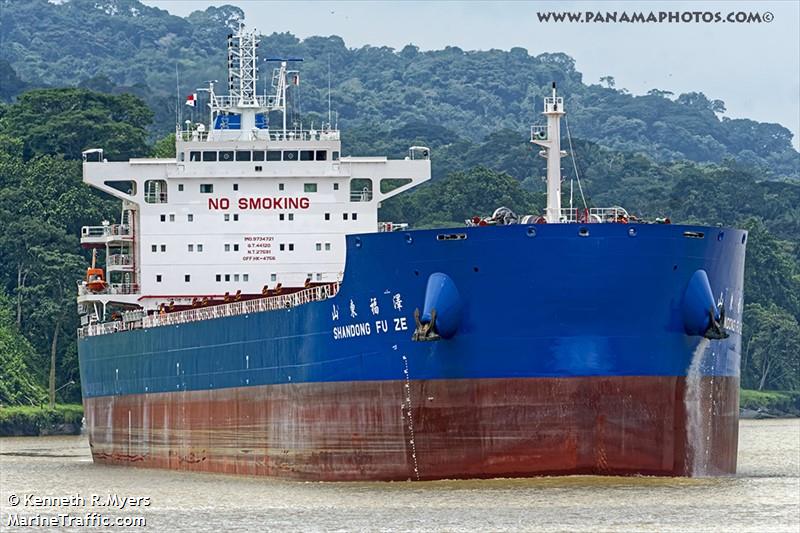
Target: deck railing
594, 214
114, 288
246, 307
122, 230
120, 260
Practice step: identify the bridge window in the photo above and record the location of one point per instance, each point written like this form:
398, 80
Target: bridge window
207, 188
309, 187
258, 155
290, 155
273, 155
242, 155
226, 155
209, 156
155, 191
194, 156
306, 155
335, 156
322, 155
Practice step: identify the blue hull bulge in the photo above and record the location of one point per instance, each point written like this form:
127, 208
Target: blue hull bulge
533, 303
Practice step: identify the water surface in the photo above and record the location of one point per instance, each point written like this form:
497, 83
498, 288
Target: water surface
764, 496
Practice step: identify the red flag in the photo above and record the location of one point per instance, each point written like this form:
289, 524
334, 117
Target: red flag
191, 100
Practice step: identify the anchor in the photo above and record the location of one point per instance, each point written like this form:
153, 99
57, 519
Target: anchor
716, 328
425, 331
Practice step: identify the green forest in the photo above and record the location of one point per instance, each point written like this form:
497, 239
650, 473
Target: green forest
85, 74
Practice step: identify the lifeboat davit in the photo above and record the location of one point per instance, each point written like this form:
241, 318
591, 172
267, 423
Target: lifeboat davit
95, 278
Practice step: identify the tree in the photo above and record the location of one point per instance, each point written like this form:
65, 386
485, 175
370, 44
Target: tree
18, 384
609, 81
67, 121
55, 296
771, 346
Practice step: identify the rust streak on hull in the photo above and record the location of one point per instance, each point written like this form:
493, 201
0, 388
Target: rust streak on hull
461, 428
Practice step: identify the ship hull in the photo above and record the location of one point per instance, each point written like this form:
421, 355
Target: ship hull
571, 357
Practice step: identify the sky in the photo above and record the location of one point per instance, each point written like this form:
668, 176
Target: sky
753, 67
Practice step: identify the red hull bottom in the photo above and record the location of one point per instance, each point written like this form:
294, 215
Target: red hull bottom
393, 430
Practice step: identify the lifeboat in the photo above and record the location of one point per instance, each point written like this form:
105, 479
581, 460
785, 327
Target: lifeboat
95, 278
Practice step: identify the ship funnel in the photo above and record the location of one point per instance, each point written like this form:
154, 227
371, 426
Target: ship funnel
701, 315
441, 314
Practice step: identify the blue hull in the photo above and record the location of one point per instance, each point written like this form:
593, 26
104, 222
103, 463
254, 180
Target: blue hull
550, 305
539, 302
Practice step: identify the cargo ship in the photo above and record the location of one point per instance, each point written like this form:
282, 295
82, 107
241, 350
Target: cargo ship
255, 317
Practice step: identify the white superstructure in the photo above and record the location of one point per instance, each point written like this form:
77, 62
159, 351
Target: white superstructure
241, 207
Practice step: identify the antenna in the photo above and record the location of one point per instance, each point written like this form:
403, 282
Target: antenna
329, 90
178, 94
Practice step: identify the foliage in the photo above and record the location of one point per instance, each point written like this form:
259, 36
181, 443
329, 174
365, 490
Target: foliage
126, 46
18, 385
34, 421
461, 195
771, 349
43, 204
67, 121
770, 401
164, 147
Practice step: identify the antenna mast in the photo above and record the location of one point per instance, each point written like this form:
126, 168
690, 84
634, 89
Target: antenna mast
550, 140
243, 76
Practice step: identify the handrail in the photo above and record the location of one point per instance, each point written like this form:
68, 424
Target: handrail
114, 288
259, 305
120, 260
262, 134
122, 230
594, 214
